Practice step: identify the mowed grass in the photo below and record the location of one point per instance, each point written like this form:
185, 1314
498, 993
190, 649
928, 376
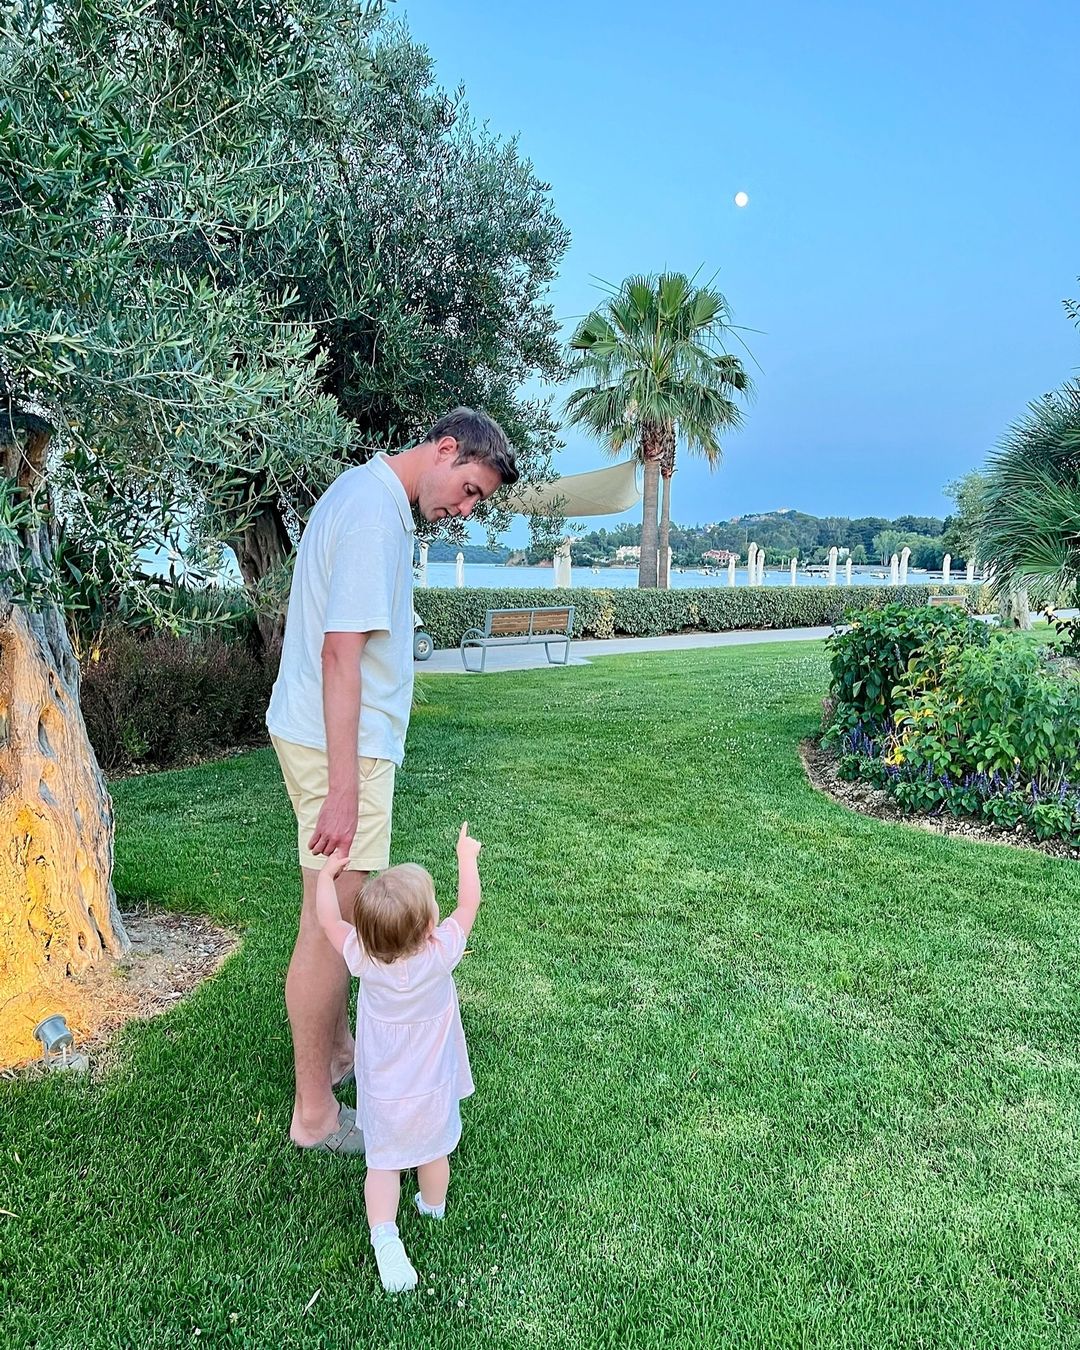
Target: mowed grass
751, 1070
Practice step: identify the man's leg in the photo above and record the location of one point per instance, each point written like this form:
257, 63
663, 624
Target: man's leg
317, 999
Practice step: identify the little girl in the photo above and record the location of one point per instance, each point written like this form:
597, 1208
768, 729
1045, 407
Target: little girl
412, 1067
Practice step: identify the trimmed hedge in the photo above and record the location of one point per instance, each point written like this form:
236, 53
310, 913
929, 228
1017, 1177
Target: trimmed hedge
447, 613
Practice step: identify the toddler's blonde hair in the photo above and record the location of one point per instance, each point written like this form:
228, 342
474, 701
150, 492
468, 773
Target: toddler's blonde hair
394, 912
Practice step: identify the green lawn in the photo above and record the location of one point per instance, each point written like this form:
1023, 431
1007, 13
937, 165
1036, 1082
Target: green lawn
751, 1070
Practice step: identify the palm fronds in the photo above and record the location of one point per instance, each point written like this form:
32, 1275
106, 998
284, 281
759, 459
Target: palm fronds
652, 360
1029, 530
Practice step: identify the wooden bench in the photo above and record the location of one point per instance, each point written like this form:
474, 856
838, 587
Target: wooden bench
510, 627
935, 600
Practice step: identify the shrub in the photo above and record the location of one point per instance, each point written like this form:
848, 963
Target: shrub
887, 649
998, 710
1068, 631
630, 612
161, 699
989, 732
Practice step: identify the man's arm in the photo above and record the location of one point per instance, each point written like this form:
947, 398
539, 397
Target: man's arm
336, 826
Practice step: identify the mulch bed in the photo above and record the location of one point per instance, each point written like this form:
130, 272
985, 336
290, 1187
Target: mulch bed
823, 770
170, 956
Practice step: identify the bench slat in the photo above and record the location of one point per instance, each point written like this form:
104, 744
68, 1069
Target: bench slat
507, 625
520, 622
551, 621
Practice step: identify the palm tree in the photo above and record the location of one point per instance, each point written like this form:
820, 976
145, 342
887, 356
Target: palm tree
1029, 523
648, 362
732, 374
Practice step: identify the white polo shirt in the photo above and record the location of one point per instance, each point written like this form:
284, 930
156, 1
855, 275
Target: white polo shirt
353, 575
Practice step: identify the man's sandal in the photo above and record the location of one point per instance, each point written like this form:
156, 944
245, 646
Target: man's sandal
346, 1080
348, 1138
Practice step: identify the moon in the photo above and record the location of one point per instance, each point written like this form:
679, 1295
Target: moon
741, 198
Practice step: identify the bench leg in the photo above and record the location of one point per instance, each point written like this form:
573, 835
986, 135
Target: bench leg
566, 653
474, 670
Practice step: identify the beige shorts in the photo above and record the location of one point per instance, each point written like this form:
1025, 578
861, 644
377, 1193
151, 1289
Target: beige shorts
306, 781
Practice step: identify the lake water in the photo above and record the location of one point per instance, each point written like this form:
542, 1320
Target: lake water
498, 574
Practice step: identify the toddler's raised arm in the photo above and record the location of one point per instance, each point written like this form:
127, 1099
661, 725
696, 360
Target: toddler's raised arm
468, 851
326, 902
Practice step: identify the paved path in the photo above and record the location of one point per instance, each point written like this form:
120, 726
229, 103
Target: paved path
448, 662
581, 653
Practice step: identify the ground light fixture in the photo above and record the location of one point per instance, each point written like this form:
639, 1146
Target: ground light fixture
57, 1044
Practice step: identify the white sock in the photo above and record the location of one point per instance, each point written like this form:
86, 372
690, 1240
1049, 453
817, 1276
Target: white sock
395, 1269
430, 1211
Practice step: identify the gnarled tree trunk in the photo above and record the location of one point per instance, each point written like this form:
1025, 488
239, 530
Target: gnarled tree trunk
261, 547
58, 911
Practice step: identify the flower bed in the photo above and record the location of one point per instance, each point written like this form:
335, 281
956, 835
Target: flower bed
947, 717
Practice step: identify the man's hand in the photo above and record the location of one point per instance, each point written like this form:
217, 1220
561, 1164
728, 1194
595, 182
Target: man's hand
468, 848
335, 828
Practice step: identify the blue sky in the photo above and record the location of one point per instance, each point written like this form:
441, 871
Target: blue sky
913, 225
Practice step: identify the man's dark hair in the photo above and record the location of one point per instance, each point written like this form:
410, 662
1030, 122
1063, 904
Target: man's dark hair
480, 438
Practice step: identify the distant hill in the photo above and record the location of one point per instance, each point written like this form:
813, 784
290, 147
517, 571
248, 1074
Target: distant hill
442, 550
783, 534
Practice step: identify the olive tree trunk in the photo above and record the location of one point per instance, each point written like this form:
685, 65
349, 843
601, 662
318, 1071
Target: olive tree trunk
262, 547
58, 912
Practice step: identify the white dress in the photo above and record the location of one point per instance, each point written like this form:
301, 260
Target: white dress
412, 1065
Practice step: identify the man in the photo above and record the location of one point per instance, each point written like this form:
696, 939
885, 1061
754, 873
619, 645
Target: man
340, 709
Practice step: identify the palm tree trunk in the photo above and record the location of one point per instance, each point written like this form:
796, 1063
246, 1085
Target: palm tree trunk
667, 468
650, 496
664, 535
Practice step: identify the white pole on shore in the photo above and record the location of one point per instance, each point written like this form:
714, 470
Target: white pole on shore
562, 565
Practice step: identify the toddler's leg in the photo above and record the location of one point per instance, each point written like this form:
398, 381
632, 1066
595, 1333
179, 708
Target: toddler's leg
381, 1192
434, 1178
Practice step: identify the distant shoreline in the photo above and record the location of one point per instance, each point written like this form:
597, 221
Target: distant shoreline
538, 576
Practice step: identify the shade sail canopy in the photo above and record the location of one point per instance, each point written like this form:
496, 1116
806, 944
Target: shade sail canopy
603, 492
